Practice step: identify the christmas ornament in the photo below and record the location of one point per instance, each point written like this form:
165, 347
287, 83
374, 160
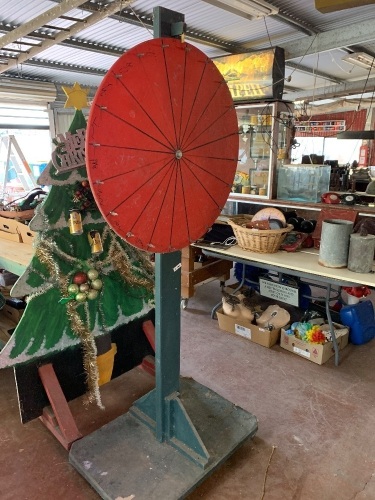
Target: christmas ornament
82, 198
77, 96
95, 242
80, 277
75, 222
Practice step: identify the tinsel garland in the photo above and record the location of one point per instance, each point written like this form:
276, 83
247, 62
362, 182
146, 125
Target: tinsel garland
89, 354
122, 264
45, 255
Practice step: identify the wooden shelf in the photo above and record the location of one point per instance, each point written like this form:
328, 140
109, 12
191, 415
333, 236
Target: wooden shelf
361, 209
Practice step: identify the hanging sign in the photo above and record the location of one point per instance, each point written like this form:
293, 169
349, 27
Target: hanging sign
70, 151
279, 291
254, 76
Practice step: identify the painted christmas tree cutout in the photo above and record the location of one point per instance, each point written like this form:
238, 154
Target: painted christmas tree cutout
78, 286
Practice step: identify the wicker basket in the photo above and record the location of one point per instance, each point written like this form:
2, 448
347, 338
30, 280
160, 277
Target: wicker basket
257, 240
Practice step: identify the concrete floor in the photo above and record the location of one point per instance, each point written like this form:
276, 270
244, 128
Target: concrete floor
315, 440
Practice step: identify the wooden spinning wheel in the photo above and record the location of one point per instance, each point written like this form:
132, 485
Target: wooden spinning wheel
162, 145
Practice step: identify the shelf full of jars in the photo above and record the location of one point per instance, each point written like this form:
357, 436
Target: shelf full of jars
265, 134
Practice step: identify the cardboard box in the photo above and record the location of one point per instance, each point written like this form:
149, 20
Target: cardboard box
317, 353
247, 330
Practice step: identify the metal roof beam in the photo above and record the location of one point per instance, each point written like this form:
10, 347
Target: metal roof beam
359, 33
295, 23
40, 63
313, 72
333, 91
37, 22
73, 43
91, 20
91, 46
143, 20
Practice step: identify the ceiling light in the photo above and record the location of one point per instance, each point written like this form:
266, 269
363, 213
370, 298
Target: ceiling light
360, 59
250, 9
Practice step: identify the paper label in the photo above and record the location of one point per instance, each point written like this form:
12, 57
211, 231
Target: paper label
243, 331
279, 291
302, 352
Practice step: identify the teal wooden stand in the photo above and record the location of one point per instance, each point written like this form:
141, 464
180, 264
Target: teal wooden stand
176, 435
162, 409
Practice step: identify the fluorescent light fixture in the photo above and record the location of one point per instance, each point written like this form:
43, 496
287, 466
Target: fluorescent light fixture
360, 59
364, 135
250, 9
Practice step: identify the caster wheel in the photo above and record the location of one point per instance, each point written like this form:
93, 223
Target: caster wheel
184, 303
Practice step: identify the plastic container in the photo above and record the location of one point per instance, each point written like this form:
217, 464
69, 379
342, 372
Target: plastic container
360, 318
302, 182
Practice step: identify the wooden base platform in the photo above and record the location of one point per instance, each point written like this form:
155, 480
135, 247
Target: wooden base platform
123, 459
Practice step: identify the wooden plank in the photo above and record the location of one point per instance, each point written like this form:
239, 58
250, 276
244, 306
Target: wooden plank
66, 430
16, 237
15, 257
214, 269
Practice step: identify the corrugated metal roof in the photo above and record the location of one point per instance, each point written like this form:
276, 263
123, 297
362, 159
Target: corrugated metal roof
20, 12
213, 30
63, 77
79, 57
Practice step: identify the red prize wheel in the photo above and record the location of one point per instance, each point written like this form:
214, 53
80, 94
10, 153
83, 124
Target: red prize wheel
162, 145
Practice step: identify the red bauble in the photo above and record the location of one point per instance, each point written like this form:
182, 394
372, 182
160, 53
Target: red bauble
80, 277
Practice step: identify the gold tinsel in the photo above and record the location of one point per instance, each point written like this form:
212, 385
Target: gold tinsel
45, 255
122, 264
89, 354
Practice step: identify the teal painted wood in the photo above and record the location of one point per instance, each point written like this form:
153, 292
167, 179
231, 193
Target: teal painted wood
7, 263
167, 334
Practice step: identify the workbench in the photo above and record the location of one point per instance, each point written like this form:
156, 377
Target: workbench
302, 264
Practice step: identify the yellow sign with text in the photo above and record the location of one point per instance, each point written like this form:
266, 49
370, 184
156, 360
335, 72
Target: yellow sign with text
249, 76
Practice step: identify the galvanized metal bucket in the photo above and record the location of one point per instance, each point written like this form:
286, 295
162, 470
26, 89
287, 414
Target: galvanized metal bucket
334, 243
361, 253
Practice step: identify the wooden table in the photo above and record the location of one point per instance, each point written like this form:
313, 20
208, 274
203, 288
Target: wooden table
303, 263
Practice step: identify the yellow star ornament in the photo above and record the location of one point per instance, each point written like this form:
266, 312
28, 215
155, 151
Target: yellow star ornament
77, 97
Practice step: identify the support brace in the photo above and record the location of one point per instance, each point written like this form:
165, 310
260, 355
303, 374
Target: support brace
58, 418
